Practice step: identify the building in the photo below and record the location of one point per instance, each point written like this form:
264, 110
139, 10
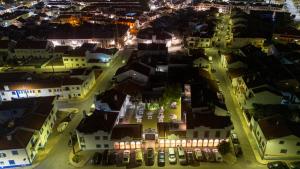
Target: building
277, 139
93, 132
153, 36
105, 36
112, 101
25, 127
136, 71
32, 49
26, 85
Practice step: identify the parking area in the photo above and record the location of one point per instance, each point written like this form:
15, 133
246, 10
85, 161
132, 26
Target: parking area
161, 157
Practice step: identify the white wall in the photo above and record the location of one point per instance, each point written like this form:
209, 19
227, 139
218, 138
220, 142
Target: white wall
21, 159
212, 132
90, 141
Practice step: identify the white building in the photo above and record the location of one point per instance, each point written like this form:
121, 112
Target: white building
277, 138
36, 49
25, 85
27, 131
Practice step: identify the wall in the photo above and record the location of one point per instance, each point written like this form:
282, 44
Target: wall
21, 159
90, 142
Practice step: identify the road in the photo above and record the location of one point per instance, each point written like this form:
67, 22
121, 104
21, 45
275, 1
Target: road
55, 155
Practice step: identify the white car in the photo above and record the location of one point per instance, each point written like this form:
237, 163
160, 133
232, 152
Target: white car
198, 154
172, 156
62, 126
218, 156
126, 157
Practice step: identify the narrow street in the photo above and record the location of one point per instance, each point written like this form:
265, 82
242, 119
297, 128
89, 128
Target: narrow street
57, 151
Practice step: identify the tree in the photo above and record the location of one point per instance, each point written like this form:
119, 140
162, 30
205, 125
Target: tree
224, 147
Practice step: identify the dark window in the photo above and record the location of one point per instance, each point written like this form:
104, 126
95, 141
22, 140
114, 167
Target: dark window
195, 134
82, 59
298, 144
39, 91
283, 151
77, 88
2, 155
13, 93
82, 146
11, 162
97, 137
298, 152
218, 133
14, 152
65, 59
98, 145
206, 134
105, 138
50, 90
281, 142
105, 145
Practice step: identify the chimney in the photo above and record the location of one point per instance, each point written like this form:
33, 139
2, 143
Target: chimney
254, 77
248, 80
9, 137
116, 97
277, 123
105, 116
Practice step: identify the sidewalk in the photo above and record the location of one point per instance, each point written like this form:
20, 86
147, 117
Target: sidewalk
84, 157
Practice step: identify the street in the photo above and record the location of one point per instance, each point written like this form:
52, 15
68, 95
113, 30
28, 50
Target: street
56, 152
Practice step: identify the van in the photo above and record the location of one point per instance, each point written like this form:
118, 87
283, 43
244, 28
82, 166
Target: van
172, 156
198, 154
139, 156
181, 156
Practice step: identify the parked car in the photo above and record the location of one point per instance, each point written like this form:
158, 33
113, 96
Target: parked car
161, 158
181, 156
190, 157
277, 165
198, 154
62, 126
126, 157
295, 165
139, 156
234, 138
112, 158
97, 157
105, 157
172, 156
237, 150
208, 155
218, 155
150, 156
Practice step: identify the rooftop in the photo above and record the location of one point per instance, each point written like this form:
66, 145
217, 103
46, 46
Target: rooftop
98, 121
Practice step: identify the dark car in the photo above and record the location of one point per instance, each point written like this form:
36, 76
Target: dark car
112, 158
97, 158
161, 158
277, 165
105, 158
150, 156
295, 165
190, 157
